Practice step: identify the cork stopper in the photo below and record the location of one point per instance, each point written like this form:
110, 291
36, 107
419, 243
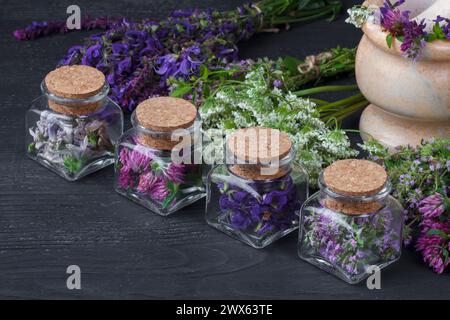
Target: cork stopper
257, 147
354, 178
259, 144
163, 115
74, 82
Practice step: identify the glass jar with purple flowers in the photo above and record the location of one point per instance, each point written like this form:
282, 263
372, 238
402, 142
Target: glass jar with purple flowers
156, 161
352, 226
73, 127
257, 194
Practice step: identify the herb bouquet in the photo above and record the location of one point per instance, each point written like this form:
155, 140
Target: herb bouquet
421, 180
139, 57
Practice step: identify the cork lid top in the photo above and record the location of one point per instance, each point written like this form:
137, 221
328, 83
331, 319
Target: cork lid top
355, 177
259, 144
166, 114
76, 82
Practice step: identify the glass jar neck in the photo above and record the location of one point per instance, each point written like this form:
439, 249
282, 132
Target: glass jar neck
164, 140
260, 171
75, 106
354, 205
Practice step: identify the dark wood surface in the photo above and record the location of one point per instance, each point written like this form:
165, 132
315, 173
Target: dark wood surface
125, 251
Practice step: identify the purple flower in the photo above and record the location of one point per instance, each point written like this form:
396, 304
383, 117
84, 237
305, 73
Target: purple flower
124, 66
414, 39
277, 83
275, 211
276, 199
445, 27
239, 219
133, 163
392, 19
432, 206
176, 172
71, 54
398, 24
153, 185
432, 249
93, 55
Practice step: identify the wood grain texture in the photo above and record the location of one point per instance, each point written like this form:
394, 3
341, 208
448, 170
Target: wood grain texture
123, 250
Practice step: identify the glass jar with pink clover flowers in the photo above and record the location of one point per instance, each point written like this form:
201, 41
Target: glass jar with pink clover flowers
155, 163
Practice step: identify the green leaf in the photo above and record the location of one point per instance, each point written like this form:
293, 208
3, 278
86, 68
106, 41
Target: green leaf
291, 64
436, 232
31, 148
181, 91
156, 167
431, 37
438, 32
72, 164
389, 40
173, 187
204, 72
167, 201
445, 254
93, 139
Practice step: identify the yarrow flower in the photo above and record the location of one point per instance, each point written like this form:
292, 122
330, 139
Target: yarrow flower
358, 15
255, 102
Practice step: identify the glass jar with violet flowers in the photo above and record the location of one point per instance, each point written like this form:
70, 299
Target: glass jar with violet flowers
352, 224
73, 127
257, 194
156, 164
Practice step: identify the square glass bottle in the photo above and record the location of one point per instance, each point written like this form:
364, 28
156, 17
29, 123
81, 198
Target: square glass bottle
155, 164
352, 226
73, 127
254, 198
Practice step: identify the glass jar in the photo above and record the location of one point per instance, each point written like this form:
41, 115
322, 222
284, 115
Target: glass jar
347, 235
254, 207
146, 170
73, 136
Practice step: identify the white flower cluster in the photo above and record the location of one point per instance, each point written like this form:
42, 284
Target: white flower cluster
255, 102
358, 15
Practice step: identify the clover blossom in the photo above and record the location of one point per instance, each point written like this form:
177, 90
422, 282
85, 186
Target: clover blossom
432, 206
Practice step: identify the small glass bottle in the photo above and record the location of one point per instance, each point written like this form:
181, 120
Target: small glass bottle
352, 226
256, 197
156, 164
72, 128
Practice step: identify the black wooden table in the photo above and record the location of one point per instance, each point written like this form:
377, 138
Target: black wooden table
124, 251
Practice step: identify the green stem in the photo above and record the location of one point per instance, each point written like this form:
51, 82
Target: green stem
325, 89
319, 101
340, 115
323, 12
356, 98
